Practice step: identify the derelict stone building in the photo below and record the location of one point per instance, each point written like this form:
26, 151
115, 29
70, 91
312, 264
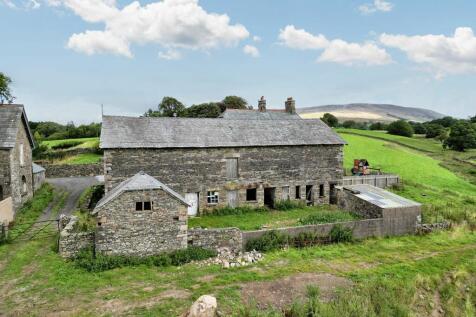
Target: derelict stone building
16, 144
234, 162
141, 216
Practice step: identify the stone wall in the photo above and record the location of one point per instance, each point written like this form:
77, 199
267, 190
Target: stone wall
202, 170
348, 201
70, 242
5, 180
77, 170
381, 181
122, 230
214, 239
21, 173
361, 229
38, 180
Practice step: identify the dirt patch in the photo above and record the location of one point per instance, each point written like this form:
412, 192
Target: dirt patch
437, 308
281, 293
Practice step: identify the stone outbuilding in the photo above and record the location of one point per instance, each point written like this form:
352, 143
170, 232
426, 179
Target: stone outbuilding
39, 176
221, 162
16, 145
400, 215
141, 217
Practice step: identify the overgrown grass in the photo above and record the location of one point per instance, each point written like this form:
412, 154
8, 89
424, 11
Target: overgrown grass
83, 158
86, 259
326, 216
79, 143
265, 218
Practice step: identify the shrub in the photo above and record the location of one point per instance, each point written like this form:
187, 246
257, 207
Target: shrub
269, 241
340, 234
66, 145
330, 120
87, 260
433, 130
327, 217
400, 127
224, 211
289, 204
306, 239
378, 126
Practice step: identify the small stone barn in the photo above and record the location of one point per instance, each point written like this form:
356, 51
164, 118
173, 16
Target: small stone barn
16, 144
39, 176
227, 162
400, 215
140, 217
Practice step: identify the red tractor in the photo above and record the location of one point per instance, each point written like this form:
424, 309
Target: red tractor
362, 168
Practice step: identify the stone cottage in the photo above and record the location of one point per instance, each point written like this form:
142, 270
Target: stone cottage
141, 216
16, 144
234, 162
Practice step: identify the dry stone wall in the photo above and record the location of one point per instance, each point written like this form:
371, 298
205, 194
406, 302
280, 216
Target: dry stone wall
69, 170
71, 242
215, 239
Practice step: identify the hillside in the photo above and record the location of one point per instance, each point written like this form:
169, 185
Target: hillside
371, 112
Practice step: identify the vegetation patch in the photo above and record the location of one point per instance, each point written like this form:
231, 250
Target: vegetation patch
86, 259
288, 204
327, 216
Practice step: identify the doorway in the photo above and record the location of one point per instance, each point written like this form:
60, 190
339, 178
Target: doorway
309, 195
269, 196
332, 194
232, 198
192, 199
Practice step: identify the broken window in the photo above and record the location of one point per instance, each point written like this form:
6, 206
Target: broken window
251, 194
232, 168
212, 197
147, 205
298, 192
139, 206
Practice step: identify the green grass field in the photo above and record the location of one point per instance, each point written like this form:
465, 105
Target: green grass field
432, 275
266, 219
84, 158
85, 142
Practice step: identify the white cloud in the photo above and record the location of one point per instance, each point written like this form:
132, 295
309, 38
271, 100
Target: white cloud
442, 54
21, 4
172, 24
256, 38
377, 5
337, 50
301, 40
251, 50
170, 55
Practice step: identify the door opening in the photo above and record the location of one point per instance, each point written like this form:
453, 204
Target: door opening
332, 194
309, 195
269, 196
192, 199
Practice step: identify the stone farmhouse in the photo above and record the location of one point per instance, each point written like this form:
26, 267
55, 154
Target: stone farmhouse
16, 175
228, 161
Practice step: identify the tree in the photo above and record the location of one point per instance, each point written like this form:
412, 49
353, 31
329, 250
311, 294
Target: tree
418, 127
5, 93
433, 130
473, 119
378, 126
401, 127
330, 120
171, 107
447, 121
462, 136
443, 136
348, 124
233, 102
204, 110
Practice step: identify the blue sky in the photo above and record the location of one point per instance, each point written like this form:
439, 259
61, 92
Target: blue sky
410, 53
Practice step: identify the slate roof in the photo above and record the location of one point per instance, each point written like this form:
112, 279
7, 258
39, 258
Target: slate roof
10, 118
145, 132
240, 114
37, 168
140, 181
380, 197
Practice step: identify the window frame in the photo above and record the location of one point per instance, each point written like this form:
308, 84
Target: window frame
141, 205
236, 173
213, 197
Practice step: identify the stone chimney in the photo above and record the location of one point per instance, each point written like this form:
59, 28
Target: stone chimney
262, 104
290, 105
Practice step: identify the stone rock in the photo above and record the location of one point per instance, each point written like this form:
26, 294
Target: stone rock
204, 306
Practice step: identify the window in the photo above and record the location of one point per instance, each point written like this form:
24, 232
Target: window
232, 168
321, 190
309, 195
212, 197
24, 185
285, 195
22, 157
251, 194
298, 192
143, 205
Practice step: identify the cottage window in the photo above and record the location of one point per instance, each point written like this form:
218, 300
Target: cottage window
212, 197
232, 168
143, 205
298, 192
251, 194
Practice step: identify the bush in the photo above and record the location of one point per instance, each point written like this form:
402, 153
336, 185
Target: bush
378, 126
289, 204
327, 217
400, 127
462, 136
87, 260
66, 145
418, 128
340, 234
433, 130
330, 120
271, 240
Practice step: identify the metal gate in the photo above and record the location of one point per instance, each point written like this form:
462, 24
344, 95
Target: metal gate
32, 230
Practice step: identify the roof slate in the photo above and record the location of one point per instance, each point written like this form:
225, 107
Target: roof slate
140, 181
37, 168
380, 197
10, 118
239, 114
145, 132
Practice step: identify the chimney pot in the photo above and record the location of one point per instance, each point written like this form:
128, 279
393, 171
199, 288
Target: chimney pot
262, 104
290, 105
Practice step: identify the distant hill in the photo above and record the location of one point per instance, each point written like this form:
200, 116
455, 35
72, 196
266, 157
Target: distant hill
370, 112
